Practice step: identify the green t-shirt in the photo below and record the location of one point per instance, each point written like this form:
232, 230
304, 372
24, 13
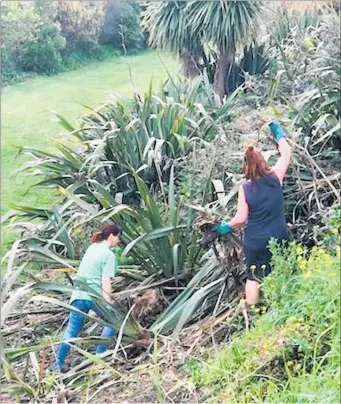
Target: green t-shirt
98, 261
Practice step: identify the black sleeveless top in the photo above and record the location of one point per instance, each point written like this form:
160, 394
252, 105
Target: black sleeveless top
266, 219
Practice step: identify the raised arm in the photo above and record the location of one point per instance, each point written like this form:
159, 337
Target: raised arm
283, 162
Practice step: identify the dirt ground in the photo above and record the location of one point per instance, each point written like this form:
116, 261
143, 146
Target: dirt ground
134, 375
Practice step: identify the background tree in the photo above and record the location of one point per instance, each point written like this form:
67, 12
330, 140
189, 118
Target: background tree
32, 40
81, 23
111, 24
47, 37
18, 24
42, 54
122, 19
227, 24
168, 27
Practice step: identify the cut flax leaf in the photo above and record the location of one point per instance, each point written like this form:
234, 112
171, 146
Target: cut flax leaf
7, 308
327, 135
192, 304
153, 235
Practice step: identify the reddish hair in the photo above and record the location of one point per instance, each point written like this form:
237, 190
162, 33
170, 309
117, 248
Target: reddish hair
105, 233
254, 166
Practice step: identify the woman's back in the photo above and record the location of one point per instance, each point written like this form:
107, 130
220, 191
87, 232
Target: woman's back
266, 219
92, 266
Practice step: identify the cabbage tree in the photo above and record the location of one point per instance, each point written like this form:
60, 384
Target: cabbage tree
227, 25
168, 27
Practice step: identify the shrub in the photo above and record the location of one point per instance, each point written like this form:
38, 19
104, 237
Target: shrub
19, 23
121, 27
132, 37
111, 25
42, 55
80, 23
33, 40
47, 37
9, 72
80, 58
18, 27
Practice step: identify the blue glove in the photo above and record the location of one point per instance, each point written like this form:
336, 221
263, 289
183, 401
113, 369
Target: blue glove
223, 229
277, 130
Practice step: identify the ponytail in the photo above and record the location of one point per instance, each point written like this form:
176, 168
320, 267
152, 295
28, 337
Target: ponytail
105, 233
96, 237
255, 165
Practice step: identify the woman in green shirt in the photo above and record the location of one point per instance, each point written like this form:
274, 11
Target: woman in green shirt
96, 269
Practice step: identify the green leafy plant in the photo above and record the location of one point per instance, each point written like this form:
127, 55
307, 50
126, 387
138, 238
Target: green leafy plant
293, 345
227, 25
141, 135
168, 26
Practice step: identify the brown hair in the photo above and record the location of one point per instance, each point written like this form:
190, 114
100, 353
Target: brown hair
105, 233
254, 166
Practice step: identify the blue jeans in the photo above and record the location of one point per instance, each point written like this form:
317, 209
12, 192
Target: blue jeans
74, 327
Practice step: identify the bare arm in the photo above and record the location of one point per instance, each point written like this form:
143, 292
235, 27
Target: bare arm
106, 288
242, 214
109, 271
283, 162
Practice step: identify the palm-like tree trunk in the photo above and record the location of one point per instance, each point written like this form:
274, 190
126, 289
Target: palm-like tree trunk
225, 61
189, 61
184, 61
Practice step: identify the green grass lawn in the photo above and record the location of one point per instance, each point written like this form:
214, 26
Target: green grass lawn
28, 120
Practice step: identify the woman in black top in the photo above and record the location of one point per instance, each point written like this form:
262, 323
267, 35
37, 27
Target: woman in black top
260, 209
